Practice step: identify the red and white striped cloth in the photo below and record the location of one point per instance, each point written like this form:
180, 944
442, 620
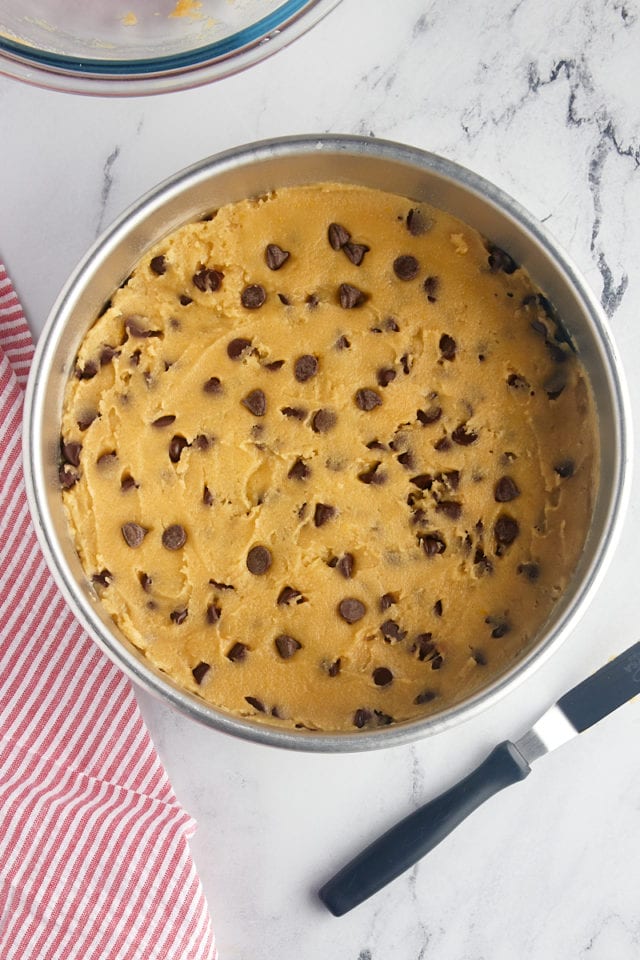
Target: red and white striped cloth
94, 855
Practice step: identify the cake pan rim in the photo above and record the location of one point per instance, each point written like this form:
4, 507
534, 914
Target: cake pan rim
133, 665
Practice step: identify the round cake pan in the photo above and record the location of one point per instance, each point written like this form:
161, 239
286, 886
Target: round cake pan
251, 171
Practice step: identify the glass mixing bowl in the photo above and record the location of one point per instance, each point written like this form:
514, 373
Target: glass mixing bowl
137, 47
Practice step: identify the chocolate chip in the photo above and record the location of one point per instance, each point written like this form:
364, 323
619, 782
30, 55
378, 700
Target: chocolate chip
207, 496
207, 279
133, 328
355, 252
323, 513
350, 296
238, 652
275, 256
506, 489
287, 646
299, 471
213, 613
323, 420
426, 417
382, 676
406, 459
406, 267
253, 296
201, 442
479, 657
133, 534
362, 717
451, 478
256, 403
423, 481
87, 372
555, 384
431, 287
351, 609
433, 544
174, 537
506, 529
283, 299
185, 300
530, 571
338, 236
386, 600
102, 579
312, 300
367, 399
464, 437
333, 669
482, 563
274, 365
391, 631
450, 508
200, 671
447, 347
67, 476
500, 260
176, 446
565, 468
158, 264
346, 565
297, 413
437, 608
372, 476
256, 704
342, 343
425, 697
423, 646
517, 382
385, 375
127, 482
406, 364
417, 223
305, 367
287, 594
145, 582
501, 626
258, 560
236, 347
221, 586
442, 444
106, 459
71, 452
164, 421
107, 354
179, 616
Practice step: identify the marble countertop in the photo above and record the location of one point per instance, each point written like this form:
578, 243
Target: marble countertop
542, 99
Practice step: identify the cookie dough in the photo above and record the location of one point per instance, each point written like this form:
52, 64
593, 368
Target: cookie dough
328, 458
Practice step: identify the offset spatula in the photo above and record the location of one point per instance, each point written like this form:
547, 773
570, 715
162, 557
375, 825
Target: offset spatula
403, 845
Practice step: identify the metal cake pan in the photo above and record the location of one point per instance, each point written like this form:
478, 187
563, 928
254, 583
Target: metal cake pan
256, 169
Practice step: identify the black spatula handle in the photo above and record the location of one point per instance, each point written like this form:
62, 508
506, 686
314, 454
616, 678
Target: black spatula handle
405, 843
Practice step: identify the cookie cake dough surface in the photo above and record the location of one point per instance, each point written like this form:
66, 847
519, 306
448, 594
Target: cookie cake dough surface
328, 458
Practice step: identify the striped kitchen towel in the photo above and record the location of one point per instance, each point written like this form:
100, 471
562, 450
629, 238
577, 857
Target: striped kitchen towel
94, 855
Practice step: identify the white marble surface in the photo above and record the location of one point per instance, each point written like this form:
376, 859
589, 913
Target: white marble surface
543, 99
